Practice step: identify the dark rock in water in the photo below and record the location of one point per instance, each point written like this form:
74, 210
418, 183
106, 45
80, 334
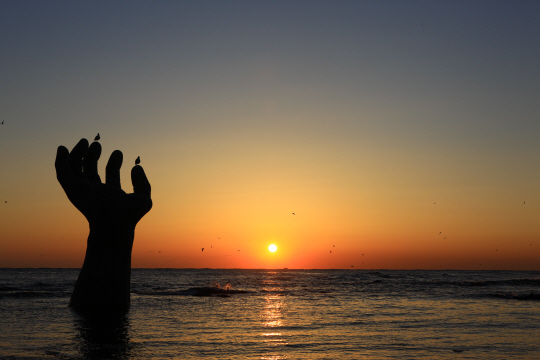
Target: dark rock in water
514, 296
213, 291
531, 296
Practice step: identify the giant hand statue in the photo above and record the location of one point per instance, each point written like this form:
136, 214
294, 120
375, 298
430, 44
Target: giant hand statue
104, 280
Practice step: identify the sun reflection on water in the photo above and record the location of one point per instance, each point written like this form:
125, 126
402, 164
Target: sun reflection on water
272, 313
272, 318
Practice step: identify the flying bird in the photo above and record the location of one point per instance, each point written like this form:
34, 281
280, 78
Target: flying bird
334, 245
330, 251
352, 266
138, 160
97, 137
202, 250
2, 123
293, 213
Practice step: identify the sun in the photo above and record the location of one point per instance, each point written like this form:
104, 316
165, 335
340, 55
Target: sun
272, 248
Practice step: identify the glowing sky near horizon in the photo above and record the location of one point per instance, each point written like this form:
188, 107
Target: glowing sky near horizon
400, 134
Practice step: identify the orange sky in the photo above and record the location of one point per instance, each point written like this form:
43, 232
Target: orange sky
379, 126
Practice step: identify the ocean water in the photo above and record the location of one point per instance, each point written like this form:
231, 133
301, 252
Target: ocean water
278, 314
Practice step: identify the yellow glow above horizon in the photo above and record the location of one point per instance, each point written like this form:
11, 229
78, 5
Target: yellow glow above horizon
272, 248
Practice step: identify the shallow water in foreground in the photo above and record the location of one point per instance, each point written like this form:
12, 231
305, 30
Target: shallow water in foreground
283, 314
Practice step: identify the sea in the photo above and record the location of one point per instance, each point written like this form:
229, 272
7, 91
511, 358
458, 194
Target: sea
278, 314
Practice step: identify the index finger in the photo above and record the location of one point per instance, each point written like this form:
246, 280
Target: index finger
76, 155
90, 162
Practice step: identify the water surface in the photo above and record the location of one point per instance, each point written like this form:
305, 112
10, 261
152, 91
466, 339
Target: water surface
282, 314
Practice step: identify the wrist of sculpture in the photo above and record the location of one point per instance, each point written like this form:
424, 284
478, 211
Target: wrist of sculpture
104, 280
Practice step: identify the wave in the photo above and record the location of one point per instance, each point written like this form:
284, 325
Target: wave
194, 291
27, 294
514, 296
513, 282
509, 282
379, 274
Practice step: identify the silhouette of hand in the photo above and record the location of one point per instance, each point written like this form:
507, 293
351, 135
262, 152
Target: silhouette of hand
103, 204
104, 280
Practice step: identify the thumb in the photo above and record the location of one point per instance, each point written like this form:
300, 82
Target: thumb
141, 185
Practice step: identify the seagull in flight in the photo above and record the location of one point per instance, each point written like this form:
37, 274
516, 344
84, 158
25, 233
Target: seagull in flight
97, 137
293, 213
138, 160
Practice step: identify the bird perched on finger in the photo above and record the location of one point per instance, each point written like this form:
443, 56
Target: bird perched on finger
138, 160
97, 137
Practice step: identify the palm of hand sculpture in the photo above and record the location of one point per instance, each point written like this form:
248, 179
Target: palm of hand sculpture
112, 215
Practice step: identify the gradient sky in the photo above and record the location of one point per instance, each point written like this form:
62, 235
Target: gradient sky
402, 134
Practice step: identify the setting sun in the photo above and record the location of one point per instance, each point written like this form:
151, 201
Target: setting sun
272, 248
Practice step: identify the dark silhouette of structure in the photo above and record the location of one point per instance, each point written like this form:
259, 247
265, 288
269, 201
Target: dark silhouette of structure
97, 137
138, 160
104, 280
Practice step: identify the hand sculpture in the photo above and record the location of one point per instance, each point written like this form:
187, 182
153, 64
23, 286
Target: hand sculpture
104, 280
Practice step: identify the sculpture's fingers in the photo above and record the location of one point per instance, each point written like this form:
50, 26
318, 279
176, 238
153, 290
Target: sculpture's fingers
112, 171
90, 162
62, 164
76, 155
140, 182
